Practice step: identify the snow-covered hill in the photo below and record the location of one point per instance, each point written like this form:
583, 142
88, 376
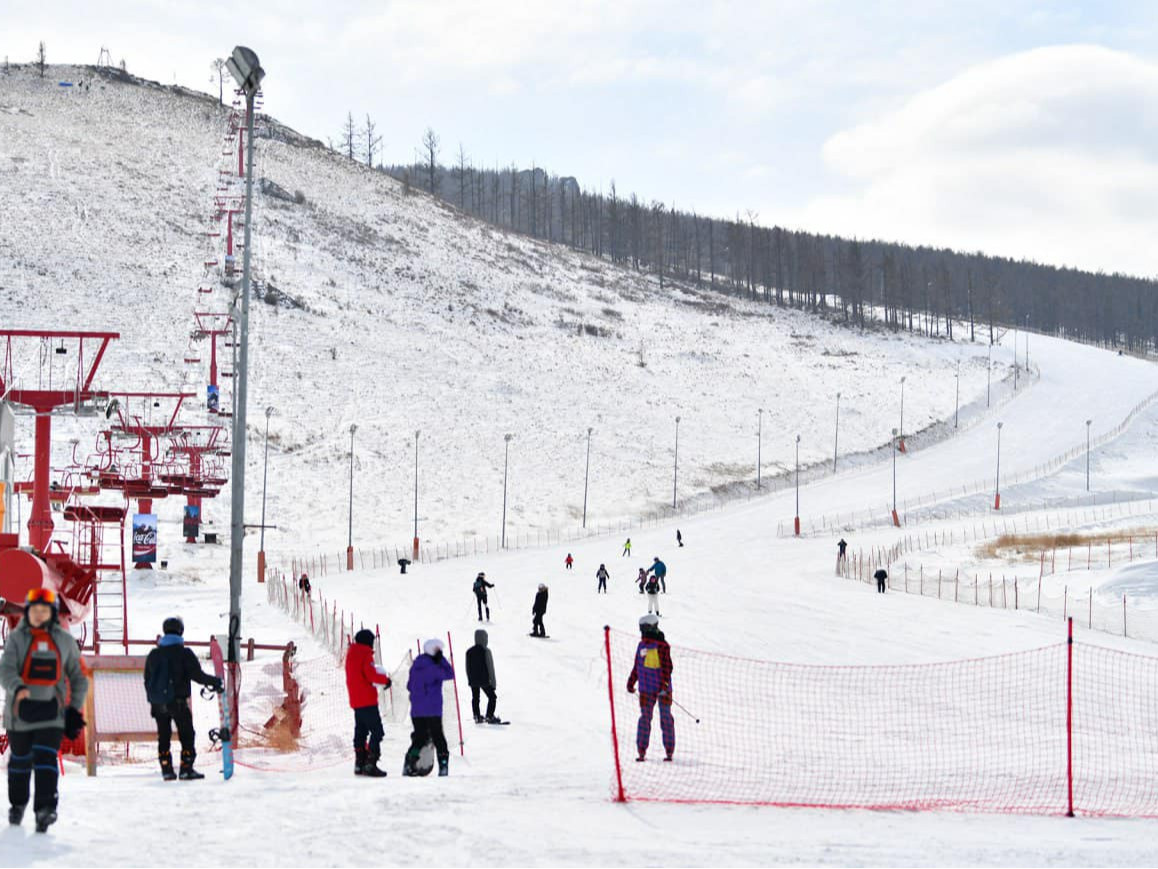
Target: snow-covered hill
413, 317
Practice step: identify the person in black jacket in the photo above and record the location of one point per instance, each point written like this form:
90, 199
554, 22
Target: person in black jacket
602, 575
538, 610
882, 579
169, 670
480, 595
480, 675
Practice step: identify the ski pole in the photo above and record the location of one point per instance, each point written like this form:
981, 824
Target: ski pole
685, 709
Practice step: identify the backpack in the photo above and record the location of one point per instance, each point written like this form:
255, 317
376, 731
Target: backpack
160, 687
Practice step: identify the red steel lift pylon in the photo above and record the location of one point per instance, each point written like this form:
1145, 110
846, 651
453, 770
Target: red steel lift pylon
211, 326
130, 423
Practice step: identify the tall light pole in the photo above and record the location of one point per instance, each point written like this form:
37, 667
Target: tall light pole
1027, 345
506, 460
676, 472
902, 440
997, 486
957, 394
988, 373
350, 539
896, 518
1088, 421
796, 521
836, 436
586, 475
264, 479
414, 555
759, 443
246, 70
1016, 367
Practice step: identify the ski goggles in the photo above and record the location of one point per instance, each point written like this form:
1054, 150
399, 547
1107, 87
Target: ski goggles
41, 595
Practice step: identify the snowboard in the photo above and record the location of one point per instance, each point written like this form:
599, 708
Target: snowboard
540, 636
225, 733
492, 723
426, 760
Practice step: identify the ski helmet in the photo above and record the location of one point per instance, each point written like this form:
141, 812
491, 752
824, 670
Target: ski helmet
173, 625
46, 596
365, 637
648, 622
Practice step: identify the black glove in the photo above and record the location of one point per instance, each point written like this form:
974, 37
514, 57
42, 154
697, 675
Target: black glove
217, 685
437, 656
73, 723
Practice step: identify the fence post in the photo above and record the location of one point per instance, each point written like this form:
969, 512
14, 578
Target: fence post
1123, 615
620, 797
1069, 718
1091, 623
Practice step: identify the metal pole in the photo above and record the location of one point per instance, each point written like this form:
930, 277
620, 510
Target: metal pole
416, 433
1027, 345
586, 474
957, 395
265, 475
676, 473
1088, 421
894, 471
988, 374
797, 521
506, 458
902, 408
350, 538
759, 444
997, 487
836, 437
241, 377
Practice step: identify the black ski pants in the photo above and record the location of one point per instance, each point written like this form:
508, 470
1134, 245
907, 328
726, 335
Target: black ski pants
537, 629
368, 726
881, 585
428, 729
492, 698
482, 604
34, 753
602, 585
180, 714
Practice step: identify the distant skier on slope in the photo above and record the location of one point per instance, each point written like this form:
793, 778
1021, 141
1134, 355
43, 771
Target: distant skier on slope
362, 679
641, 580
538, 610
652, 675
841, 548
304, 584
652, 589
480, 675
480, 595
660, 570
602, 575
626, 548
427, 674
882, 578
569, 561
679, 538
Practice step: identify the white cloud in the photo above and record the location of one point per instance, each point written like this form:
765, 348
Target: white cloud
1048, 154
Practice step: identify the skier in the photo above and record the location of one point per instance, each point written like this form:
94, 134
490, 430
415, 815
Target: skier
660, 571
480, 675
840, 550
39, 658
361, 678
538, 610
652, 675
679, 538
569, 561
602, 575
427, 674
169, 670
641, 580
882, 578
304, 584
626, 547
652, 589
480, 595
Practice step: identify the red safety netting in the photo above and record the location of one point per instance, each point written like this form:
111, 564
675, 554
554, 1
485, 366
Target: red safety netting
987, 734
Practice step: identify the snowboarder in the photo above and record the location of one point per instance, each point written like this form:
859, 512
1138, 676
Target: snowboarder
427, 674
304, 584
652, 675
362, 675
652, 589
602, 575
882, 578
569, 561
169, 670
538, 610
40, 672
480, 595
660, 571
480, 675
626, 547
679, 538
641, 580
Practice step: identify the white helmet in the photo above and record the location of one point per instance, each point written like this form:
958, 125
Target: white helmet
651, 620
431, 647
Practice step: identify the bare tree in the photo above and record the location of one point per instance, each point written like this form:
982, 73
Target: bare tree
41, 61
460, 173
372, 141
349, 136
430, 147
217, 74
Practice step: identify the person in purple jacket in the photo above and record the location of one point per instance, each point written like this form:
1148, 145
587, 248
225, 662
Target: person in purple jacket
427, 674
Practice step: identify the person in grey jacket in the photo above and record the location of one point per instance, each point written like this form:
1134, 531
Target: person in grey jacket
45, 689
480, 674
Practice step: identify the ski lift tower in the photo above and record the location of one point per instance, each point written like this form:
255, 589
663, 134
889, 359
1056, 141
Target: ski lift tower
129, 423
78, 393
197, 443
212, 326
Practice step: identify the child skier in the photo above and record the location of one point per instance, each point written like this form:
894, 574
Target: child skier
602, 575
170, 669
652, 675
40, 672
626, 547
538, 610
652, 589
641, 580
569, 561
480, 674
480, 595
427, 674
362, 677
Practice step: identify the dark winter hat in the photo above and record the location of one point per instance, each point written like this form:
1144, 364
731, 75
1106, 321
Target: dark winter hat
365, 637
173, 625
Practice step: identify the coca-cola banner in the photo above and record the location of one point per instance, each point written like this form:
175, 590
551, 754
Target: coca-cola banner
144, 538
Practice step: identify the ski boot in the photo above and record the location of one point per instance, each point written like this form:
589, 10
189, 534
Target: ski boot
408, 765
493, 719
45, 818
187, 772
16, 815
478, 719
370, 767
167, 772
642, 757
668, 758
359, 761
443, 766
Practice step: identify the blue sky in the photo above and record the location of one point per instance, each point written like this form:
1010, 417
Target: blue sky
1019, 128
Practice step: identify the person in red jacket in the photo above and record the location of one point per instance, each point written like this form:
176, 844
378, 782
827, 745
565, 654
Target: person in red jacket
361, 678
